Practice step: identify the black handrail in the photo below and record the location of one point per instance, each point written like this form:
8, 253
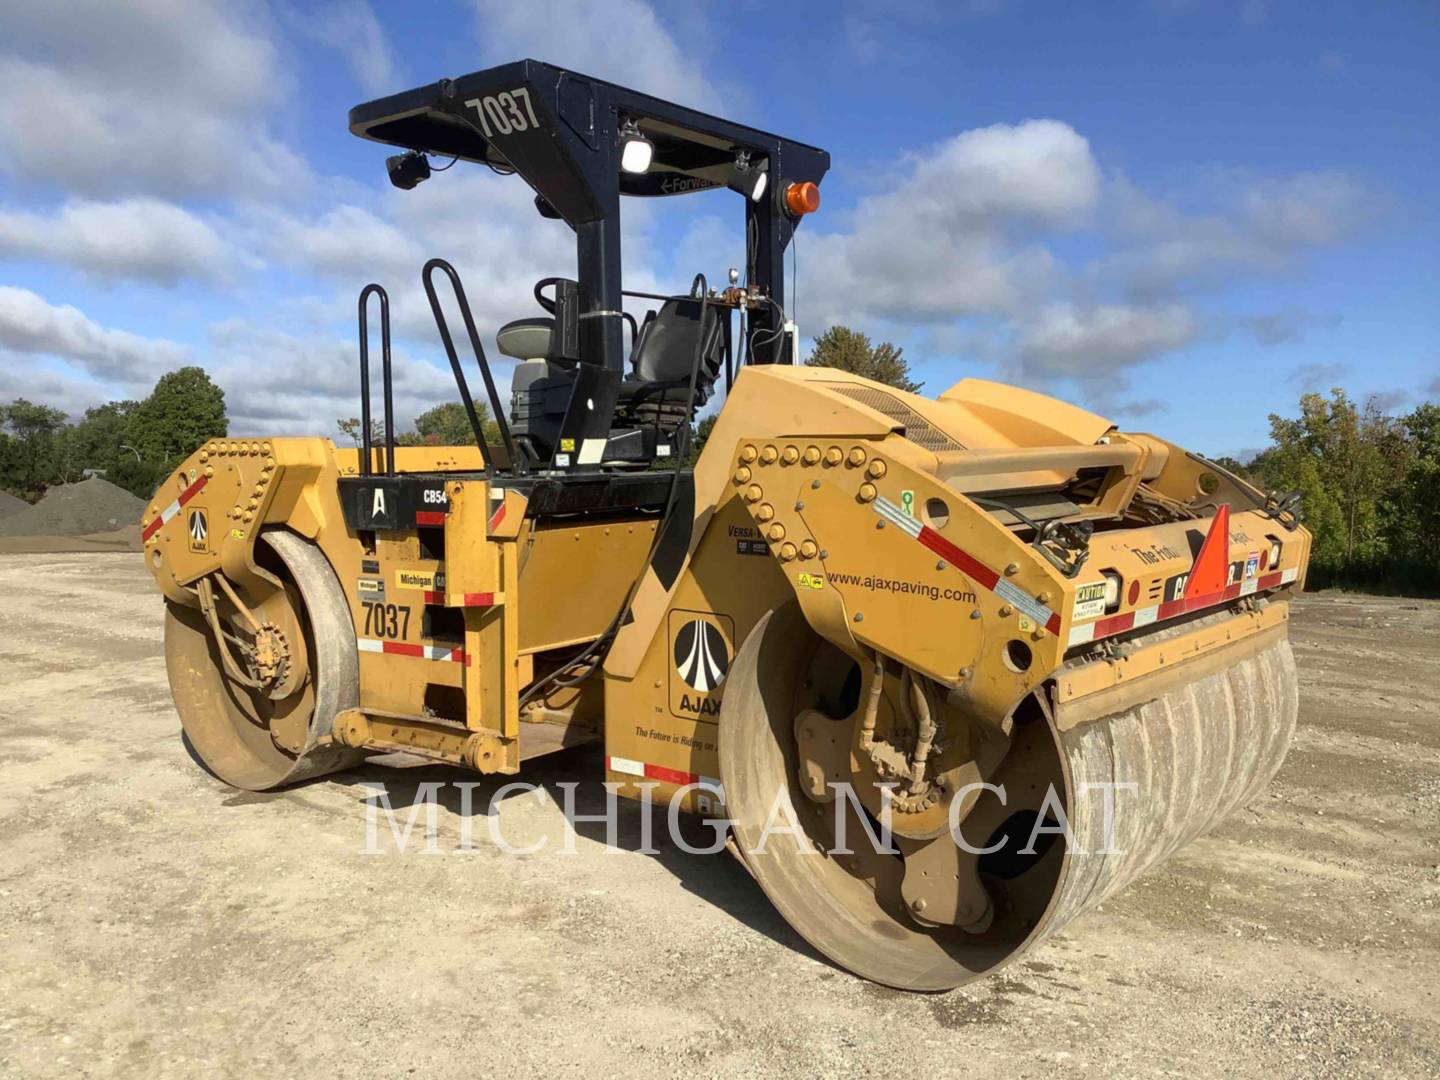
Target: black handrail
513, 460
387, 386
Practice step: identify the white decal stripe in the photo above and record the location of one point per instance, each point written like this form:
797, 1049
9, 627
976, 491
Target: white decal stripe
1287, 576
1079, 635
1023, 601
893, 514
1248, 586
627, 766
427, 652
170, 511
1145, 616
591, 451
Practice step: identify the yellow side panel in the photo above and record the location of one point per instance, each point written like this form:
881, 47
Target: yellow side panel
573, 579
668, 714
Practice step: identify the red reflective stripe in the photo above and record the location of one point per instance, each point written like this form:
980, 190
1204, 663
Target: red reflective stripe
469, 599
1185, 604
1115, 624
429, 517
670, 776
185, 496
972, 567
193, 490
405, 648
497, 517
1269, 581
965, 563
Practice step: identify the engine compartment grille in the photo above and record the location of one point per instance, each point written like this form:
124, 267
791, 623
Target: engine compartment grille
917, 429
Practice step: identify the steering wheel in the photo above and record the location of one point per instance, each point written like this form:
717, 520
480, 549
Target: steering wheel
540, 297
549, 304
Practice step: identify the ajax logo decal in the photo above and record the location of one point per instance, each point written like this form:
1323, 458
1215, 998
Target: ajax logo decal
199, 530
701, 656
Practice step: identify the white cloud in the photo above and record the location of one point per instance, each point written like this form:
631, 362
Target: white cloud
1305, 210
31, 324
274, 382
24, 376
968, 246
1039, 170
351, 28
1256, 224
1140, 407
963, 244
486, 225
622, 41
158, 97
340, 243
277, 383
137, 239
1287, 325
950, 237
1317, 376
1070, 341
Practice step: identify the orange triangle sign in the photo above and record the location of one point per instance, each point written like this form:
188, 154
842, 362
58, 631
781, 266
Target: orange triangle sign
1212, 567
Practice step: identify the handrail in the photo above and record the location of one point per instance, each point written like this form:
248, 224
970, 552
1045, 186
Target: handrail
387, 386
513, 460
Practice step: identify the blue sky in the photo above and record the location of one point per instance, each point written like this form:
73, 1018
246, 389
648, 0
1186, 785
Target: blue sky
1181, 214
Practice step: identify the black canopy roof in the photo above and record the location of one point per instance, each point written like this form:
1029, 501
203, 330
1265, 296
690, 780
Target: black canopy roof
559, 130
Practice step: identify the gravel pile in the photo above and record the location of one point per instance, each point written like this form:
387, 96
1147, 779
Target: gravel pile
91, 506
9, 504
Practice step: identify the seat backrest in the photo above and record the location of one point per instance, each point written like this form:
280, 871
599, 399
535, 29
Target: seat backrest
665, 348
526, 339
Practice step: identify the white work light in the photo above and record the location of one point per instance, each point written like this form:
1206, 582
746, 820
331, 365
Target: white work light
636, 151
749, 180
1112, 589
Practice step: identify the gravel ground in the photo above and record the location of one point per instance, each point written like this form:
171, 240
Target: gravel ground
153, 921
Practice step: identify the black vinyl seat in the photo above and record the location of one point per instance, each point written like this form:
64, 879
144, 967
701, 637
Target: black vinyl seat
665, 350
652, 396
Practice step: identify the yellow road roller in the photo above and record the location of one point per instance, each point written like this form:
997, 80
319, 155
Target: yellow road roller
953, 669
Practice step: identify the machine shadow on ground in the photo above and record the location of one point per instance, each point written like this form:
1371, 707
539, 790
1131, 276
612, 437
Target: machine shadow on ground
718, 879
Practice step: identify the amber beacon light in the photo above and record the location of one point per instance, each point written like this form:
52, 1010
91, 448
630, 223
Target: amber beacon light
802, 199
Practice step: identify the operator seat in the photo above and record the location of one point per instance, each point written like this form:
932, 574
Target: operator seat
528, 340
665, 350
654, 393
539, 388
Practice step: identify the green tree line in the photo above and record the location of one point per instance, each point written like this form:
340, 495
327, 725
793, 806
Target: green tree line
1370, 489
135, 444
444, 425
1369, 481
